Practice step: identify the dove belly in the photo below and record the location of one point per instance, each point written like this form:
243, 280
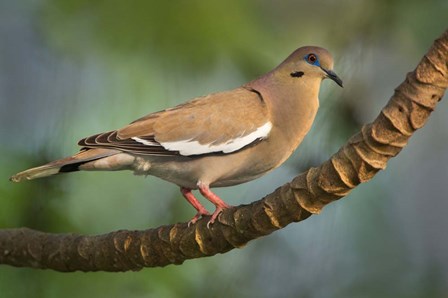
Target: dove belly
213, 170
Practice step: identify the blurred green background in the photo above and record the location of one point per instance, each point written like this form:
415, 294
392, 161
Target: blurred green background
72, 68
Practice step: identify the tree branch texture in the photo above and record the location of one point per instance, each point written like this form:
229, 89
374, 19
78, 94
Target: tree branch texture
356, 162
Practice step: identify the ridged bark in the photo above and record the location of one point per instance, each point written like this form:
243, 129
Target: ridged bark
356, 162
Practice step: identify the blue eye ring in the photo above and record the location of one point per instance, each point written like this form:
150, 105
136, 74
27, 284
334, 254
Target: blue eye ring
312, 59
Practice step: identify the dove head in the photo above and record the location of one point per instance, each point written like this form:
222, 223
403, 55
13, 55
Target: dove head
310, 63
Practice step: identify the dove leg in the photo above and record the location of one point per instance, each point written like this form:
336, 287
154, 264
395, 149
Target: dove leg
186, 192
209, 195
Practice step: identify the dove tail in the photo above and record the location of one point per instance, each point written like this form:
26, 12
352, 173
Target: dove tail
39, 172
65, 165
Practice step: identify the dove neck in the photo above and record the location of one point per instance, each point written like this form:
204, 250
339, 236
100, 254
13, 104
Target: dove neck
288, 95
293, 102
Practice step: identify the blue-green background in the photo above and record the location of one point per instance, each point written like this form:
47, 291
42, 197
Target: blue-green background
72, 68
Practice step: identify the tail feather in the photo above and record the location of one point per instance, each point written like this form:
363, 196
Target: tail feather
34, 173
68, 164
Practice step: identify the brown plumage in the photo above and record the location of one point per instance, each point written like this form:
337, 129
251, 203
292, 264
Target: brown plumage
221, 139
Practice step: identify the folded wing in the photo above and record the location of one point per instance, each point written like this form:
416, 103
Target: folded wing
217, 123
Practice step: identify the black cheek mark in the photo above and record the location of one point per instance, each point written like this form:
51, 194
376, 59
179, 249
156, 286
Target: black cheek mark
297, 74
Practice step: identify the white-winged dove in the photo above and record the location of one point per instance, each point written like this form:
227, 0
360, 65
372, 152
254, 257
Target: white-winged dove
221, 139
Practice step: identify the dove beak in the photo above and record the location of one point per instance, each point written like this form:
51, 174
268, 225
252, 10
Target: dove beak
333, 76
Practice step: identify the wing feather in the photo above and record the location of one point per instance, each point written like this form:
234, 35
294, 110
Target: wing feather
220, 122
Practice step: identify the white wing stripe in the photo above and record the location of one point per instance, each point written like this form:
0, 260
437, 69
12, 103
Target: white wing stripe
190, 147
145, 142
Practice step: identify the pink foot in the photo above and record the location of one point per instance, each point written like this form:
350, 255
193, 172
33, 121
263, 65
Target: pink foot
198, 216
215, 215
186, 192
219, 204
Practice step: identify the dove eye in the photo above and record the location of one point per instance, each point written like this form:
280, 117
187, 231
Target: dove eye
312, 59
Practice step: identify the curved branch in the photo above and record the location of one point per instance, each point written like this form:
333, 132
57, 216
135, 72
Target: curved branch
358, 161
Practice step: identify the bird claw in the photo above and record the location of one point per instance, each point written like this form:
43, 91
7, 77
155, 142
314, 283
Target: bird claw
198, 216
206, 192
215, 215
209, 222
